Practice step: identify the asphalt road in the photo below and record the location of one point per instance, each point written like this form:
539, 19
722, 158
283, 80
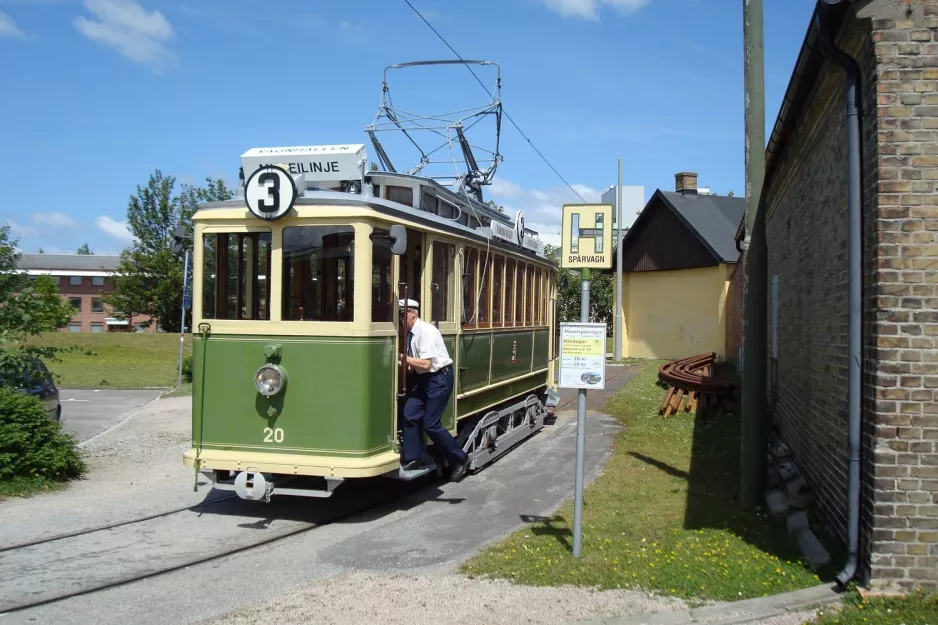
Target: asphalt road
431, 529
87, 413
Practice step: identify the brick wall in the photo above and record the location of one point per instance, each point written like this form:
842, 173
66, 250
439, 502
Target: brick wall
734, 313
896, 45
905, 511
806, 229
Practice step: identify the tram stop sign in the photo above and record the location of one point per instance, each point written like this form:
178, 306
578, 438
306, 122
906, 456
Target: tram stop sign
586, 237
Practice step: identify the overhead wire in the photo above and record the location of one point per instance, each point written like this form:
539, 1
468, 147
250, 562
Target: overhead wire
569, 186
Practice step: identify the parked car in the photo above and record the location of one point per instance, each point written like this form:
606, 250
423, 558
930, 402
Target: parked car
36, 380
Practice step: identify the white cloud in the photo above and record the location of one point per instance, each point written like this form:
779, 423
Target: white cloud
8, 28
589, 9
21, 231
114, 228
60, 220
126, 26
542, 207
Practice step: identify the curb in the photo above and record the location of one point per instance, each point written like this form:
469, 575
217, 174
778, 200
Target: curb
733, 612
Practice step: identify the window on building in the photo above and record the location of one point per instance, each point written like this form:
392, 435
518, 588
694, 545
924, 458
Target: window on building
97, 305
382, 293
97, 328
74, 327
76, 303
97, 280
443, 255
75, 280
510, 292
318, 273
236, 275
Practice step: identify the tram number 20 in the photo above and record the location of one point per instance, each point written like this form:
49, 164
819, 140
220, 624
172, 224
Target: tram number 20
274, 435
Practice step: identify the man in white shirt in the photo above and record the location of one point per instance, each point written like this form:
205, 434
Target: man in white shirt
430, 381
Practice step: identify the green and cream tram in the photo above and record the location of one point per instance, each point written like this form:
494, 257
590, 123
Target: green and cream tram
296, 380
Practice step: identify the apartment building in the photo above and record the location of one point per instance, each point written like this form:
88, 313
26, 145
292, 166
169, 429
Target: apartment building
83, 280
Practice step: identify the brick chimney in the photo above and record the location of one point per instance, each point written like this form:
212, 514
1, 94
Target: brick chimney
685, 182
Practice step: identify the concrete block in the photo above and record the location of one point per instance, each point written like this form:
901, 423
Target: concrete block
797, 522
812, 549
777, 502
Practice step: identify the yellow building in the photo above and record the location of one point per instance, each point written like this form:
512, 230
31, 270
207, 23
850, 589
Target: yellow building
678, 258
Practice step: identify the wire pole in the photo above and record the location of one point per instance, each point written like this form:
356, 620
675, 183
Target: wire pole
753, 430
617, 349
182, 322
581, 428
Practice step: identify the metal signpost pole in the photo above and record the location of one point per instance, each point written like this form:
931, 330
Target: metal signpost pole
617, 350
182, 323
586, 243
581, 428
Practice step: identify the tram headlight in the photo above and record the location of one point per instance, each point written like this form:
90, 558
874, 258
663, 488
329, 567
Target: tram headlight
269, 380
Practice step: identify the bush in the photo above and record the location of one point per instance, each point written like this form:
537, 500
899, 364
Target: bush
187, 368
31, 444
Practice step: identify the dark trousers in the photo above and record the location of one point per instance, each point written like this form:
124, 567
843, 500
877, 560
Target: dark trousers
427, 401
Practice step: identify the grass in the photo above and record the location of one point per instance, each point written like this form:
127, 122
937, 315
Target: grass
116, 360
663, 516
24, 487
917, 608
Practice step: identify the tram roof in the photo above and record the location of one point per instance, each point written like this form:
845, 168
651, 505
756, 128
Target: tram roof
313, 197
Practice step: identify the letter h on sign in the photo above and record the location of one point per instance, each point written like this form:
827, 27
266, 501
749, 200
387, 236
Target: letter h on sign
577, 233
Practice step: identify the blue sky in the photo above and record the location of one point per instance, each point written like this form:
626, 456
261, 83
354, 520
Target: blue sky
99, 93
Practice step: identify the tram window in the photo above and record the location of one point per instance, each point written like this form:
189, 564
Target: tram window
469, 294
382, 293
401, 195
537, 296
442, 306
497, 270
519, 296
510, 292
529, 309
236, 276
430, 203
318, 273
485, 293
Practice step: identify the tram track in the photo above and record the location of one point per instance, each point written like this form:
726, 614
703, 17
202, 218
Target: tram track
82, 564
102, 528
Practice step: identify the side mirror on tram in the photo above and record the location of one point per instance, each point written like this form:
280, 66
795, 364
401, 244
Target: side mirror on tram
398, 240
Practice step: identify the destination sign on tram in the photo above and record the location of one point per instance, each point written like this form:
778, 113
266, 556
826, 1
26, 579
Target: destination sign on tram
315, 162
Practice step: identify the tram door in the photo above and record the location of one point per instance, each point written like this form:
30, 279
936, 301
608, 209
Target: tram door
409, 286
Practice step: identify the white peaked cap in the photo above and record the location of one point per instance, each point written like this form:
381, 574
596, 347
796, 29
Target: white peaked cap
410, 303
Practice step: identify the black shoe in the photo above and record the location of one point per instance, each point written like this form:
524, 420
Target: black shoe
459, 472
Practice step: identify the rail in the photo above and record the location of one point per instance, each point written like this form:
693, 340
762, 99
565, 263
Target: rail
693, 379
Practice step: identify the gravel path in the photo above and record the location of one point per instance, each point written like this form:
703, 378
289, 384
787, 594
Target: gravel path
397, 598
134, 471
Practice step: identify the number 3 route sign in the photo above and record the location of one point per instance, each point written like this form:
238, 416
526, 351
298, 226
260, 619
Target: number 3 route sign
270, 192
583, 355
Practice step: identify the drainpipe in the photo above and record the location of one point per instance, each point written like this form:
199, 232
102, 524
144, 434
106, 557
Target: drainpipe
855, 284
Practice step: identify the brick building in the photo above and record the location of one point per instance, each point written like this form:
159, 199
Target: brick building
82, 280
894, 44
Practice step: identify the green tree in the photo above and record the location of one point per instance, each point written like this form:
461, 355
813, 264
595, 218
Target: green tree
27, 306
569, 283
150, 276
85, 251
